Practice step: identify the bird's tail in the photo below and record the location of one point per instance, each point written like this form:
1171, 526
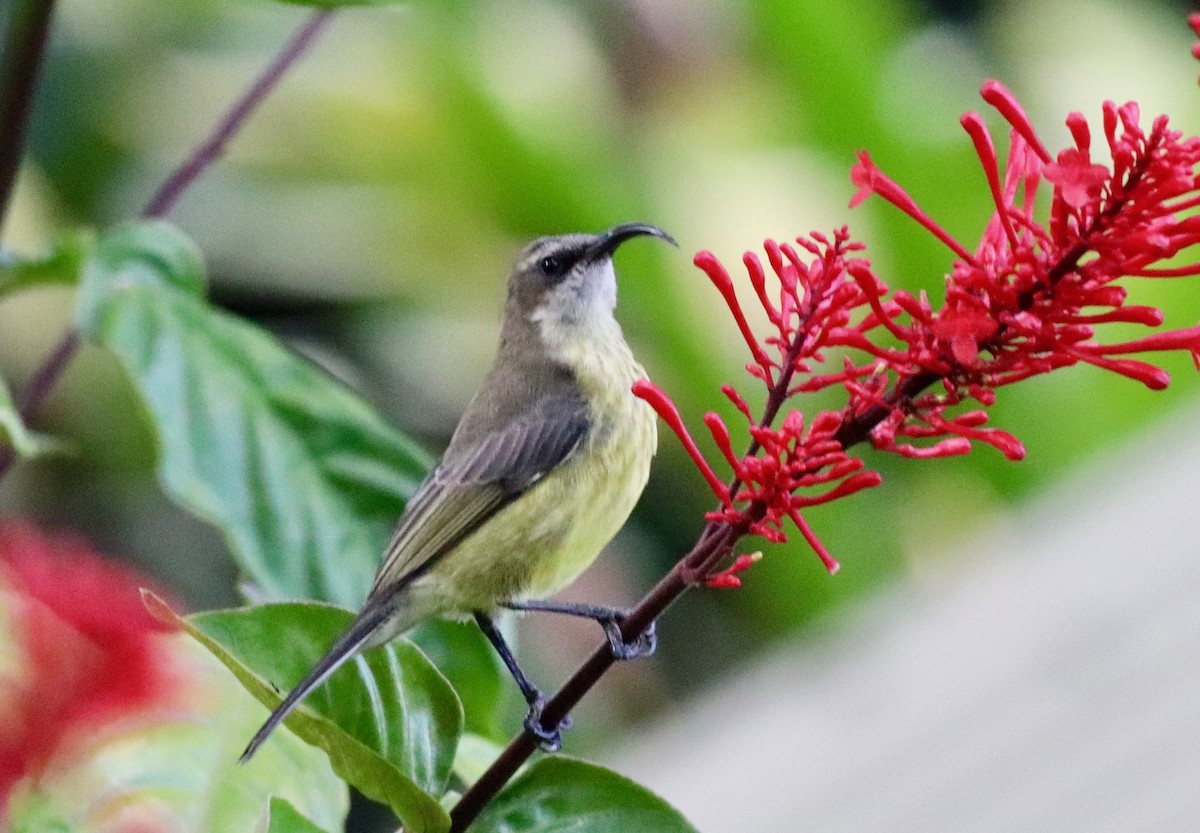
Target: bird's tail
347, 645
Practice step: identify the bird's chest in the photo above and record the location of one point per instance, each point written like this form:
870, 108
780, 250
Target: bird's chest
546, 538
589, 499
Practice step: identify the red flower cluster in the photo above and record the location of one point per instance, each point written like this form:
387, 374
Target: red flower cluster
82, 643
793, 466
1026, 302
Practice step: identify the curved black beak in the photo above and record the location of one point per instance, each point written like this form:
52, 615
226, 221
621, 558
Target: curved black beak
608, 241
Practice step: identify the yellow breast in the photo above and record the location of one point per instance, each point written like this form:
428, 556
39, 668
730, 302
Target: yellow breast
554, 531
596, 492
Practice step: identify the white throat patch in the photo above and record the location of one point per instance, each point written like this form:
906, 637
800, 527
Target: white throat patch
579, 307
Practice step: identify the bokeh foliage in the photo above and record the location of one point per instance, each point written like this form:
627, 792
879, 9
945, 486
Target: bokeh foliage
368, 213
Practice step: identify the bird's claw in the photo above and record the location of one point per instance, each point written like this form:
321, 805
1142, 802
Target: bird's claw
550, 740
643, 646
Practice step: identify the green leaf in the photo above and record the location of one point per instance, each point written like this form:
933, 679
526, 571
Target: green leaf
24, 442
303, 477
12, 427
560, 793
388, 719
138, 255
463, 654
282, 817
174, 769
62, 265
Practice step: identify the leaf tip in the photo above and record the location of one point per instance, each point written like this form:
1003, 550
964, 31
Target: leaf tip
158, 608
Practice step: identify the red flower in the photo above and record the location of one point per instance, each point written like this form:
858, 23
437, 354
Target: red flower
1032, 294
964, 328
1079, 180
82, 643
795, 465
728, 578
1026, 302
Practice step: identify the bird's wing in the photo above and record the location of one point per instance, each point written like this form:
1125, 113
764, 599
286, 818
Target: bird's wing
475, 481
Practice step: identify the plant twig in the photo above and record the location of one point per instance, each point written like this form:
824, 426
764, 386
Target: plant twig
207, 152
20, 59
168, 194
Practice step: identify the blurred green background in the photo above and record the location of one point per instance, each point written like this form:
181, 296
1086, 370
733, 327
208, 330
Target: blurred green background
369, 213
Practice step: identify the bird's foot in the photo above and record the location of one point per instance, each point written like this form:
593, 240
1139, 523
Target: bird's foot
643, 646
609, 618
550, 740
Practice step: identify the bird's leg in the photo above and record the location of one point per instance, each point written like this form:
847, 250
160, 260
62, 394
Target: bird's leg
550, 740
609, 618
528, 689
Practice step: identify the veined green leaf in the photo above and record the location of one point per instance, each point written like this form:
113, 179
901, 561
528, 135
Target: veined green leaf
560, 793
303, 477
388, 719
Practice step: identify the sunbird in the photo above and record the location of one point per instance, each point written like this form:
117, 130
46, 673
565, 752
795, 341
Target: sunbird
543, 469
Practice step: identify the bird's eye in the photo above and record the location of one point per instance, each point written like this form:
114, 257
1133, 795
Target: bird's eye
551, 266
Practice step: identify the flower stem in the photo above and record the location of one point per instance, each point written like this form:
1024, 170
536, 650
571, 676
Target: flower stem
21, 48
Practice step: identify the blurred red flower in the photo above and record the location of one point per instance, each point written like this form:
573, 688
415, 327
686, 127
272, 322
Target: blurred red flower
81, 650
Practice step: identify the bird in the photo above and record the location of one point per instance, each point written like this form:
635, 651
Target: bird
543, 469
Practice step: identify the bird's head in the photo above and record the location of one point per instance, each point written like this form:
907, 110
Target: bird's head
565, 286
